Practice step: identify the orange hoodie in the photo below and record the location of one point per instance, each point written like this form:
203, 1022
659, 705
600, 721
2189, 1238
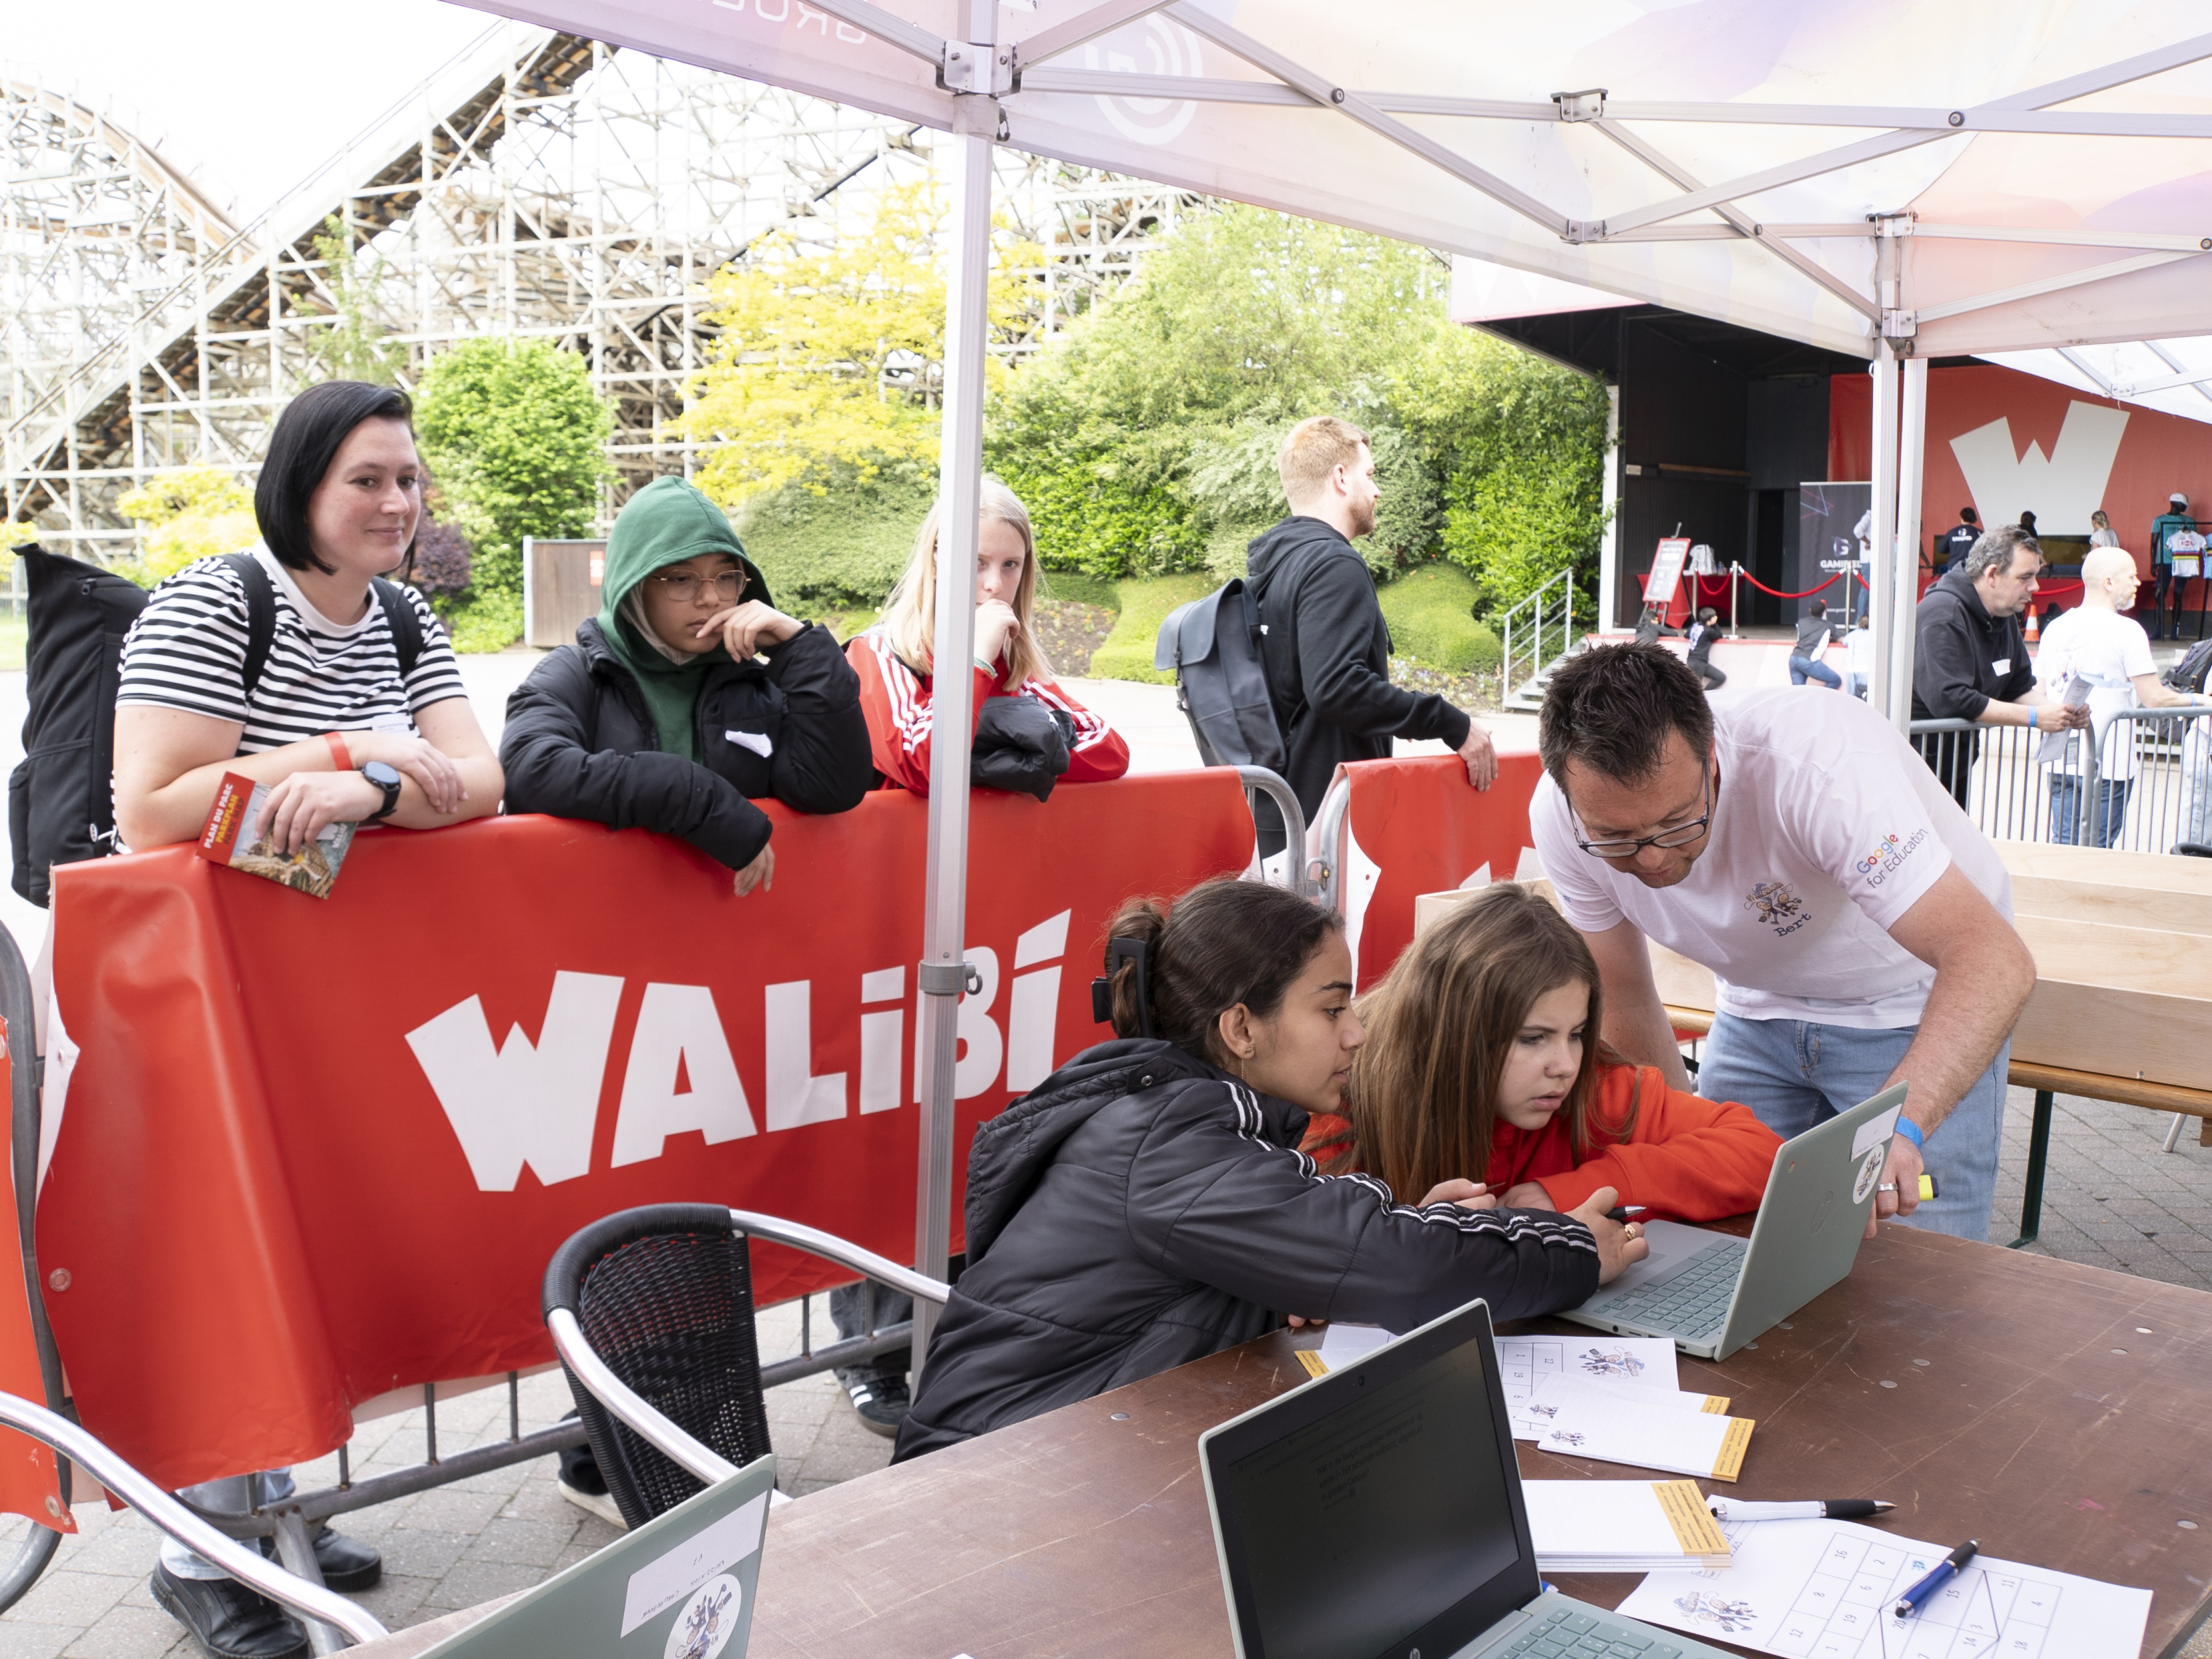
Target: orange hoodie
1687, 1159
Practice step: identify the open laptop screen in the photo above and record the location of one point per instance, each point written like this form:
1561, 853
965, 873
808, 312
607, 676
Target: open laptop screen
1355, 1531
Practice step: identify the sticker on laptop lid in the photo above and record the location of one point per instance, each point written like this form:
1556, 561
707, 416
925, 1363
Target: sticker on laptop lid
1869, 1172
709, 1618
1881, 1126
693, 1567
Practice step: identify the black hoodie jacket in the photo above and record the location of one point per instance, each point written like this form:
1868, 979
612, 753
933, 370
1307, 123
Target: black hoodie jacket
579, 743
1140, 1209
1962, 656
1327, 653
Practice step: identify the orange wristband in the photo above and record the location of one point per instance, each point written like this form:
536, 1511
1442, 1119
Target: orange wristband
339, 752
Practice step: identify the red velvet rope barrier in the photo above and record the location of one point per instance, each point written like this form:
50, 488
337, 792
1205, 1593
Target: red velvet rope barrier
1779, 594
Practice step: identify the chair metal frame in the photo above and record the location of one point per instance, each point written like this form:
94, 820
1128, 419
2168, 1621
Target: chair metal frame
611, 1391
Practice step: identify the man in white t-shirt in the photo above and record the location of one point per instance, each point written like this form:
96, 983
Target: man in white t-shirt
2110, 655
1858, 924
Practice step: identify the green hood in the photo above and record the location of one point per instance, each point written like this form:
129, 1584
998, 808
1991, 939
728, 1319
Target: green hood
664, 523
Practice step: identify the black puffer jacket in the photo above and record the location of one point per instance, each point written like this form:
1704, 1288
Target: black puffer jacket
1139, 1210
579, 743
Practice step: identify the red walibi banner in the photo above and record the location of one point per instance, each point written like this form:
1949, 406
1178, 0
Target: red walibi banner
2001, 441
27, 1483
311, 1151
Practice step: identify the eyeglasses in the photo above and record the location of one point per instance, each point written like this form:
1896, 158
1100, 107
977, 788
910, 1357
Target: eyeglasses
1680, 835
683, 586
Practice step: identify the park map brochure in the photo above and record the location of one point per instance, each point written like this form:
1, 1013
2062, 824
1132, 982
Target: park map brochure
313, 870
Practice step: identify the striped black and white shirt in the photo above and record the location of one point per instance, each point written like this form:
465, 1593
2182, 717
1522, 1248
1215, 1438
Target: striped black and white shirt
187, 650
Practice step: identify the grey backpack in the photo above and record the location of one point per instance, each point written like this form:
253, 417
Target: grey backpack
1212, 645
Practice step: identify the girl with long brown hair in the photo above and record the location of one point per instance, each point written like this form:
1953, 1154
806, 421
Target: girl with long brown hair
1482, 1062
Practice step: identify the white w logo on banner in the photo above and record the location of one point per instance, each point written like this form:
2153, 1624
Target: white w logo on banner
2062, 491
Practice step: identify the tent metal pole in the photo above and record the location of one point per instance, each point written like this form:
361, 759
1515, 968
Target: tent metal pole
1883, 692
1608, 548
1912, 440
944, 974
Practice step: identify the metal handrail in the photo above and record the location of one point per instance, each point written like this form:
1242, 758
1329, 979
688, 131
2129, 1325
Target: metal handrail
2093, 776
1331, 827
1538, 603
700, 1460
249, 1566
1278, 790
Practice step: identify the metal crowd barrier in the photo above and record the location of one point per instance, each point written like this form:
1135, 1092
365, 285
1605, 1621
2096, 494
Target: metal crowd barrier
2139, 779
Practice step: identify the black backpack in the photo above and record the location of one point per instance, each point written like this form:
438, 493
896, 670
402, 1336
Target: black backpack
2188, 674
1212, 645
61, 801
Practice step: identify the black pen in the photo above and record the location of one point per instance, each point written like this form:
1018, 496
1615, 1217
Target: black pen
1811, 1508
1625, 1212
1941, 1574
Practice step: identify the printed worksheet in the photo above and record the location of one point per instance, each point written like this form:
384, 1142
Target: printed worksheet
1624, 1362
1645, 1428
1821, 1589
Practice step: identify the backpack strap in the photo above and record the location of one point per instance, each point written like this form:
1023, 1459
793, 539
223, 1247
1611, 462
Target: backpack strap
406, 626
260, 615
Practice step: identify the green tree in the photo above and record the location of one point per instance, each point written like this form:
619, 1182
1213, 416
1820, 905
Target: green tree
515, 437
190, 512
355, 346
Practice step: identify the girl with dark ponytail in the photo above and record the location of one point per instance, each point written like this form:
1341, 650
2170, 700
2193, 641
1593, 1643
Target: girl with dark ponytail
1147, 1203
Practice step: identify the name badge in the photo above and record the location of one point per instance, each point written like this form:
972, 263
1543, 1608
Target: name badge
2002, 665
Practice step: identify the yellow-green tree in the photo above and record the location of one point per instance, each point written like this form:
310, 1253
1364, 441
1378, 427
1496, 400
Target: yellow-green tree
190, 513
829, 367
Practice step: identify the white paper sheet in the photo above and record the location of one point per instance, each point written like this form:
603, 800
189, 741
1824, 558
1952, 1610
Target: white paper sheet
1644, 1428
1820, 1589
1622, 1362
1347, 1345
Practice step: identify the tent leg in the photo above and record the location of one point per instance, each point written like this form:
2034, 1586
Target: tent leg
943, 972
1912, 438
1883, 692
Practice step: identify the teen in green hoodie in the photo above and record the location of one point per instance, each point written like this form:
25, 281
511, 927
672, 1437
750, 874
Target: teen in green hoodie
687, 697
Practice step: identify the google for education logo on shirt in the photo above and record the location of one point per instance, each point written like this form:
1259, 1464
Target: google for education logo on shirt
1777, 902
1889, 853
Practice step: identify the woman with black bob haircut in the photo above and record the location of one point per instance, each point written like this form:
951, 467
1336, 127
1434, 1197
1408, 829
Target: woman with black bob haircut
295, 663
1146, 1205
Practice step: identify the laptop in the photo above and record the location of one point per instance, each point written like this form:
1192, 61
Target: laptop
1376, 1513
680, 1587
1709, 1293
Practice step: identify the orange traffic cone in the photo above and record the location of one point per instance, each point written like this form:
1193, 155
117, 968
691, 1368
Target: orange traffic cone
2031, 629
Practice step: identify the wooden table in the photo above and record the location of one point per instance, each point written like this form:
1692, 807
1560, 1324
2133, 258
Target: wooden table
1977, 1388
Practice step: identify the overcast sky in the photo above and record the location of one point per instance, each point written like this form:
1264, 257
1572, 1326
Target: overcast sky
247, 96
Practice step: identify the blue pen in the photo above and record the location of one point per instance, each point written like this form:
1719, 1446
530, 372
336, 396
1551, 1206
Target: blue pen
1941, 1574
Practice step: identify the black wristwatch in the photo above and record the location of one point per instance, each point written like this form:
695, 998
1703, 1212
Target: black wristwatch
386, 778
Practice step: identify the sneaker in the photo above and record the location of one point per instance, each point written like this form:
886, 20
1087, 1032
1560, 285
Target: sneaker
347, 1564
228, 1621
881, 1401
592, 1503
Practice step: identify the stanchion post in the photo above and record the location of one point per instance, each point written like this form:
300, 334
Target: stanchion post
1735, 569
944, 972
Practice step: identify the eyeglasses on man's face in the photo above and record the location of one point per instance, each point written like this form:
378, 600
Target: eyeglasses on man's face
683, 586
1680, 835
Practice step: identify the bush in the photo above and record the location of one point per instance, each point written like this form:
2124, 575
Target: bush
485, 622
441, 561
190, 513
841, 550
1427, 609
1127, 653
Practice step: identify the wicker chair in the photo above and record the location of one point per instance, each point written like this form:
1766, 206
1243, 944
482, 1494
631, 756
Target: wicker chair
652, 1311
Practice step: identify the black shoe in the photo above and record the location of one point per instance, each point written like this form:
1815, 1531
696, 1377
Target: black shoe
228, 1621
347, 1564
881, 1401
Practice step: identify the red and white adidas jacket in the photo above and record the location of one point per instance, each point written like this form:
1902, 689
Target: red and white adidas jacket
900, 710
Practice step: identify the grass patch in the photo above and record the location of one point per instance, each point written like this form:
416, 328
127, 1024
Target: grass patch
15, 633
1428, 609
1144, 603
1067, 587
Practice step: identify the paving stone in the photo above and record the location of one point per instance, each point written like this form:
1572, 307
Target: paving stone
472, 1582
523, 1543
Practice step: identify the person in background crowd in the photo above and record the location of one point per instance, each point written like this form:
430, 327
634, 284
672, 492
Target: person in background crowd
1483, 1056
1020, 713
1958, 541
1017, 703
1324, 645
2027, 524
2107, 651
1146, 1205
1970, 657
1858, 657
2100, 530
343, 729
1703, 633
2175, 519
1814, 631
1858, 924
687, 697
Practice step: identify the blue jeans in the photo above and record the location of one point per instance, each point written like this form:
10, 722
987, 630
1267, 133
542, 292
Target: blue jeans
1795, 1075
2108, 813
233, 1494
1856, 685
1804, 668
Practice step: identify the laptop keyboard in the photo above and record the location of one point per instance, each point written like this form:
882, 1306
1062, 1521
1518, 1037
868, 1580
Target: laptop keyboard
1568, 1634
1692, 1303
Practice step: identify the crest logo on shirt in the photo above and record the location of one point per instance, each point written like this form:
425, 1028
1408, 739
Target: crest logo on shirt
1775, 903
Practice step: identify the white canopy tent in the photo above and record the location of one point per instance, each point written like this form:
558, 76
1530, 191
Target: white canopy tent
1895, 179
